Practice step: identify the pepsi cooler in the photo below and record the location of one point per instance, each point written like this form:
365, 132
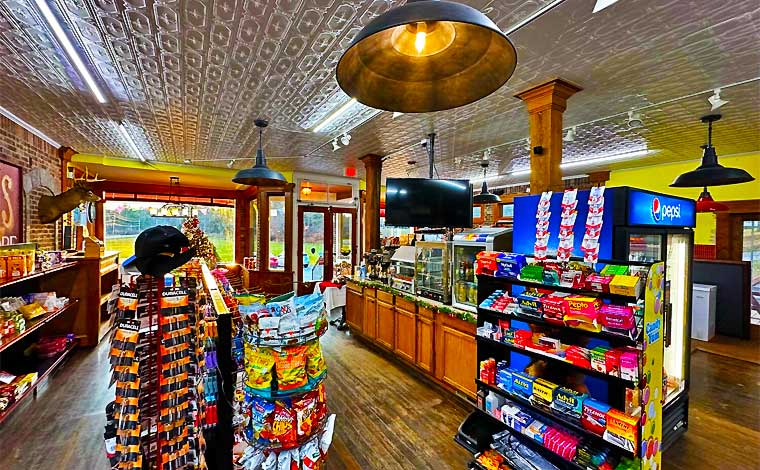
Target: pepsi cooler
638, 226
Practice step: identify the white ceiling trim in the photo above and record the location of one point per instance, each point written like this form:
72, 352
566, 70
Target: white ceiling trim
29, 127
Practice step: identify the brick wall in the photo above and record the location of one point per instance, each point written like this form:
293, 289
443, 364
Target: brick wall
24, 149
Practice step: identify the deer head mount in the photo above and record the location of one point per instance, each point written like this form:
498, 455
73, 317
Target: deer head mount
51, 208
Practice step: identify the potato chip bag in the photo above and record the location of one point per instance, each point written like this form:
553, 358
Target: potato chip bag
306, 408
261, 418
310, 455
291, 368
283, 425
315, 362
258, 367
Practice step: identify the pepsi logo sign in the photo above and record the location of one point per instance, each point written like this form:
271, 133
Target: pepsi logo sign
663, 211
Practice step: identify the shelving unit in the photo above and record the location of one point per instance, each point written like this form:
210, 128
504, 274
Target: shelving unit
44, 369
37, 274
557, 360
37, 323
648, 341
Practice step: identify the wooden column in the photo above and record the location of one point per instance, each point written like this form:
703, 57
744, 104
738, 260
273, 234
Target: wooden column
373, 166
546, 103
242, 228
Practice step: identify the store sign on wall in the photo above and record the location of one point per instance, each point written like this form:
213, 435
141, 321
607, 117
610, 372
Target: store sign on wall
10, 204
659, 210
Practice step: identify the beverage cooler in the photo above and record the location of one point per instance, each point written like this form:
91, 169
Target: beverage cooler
433, 269
465, 248
638, 226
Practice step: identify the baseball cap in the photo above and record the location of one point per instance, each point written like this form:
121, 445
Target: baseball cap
160, 249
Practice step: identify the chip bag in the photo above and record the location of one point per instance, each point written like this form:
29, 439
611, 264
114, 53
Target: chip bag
315, 362
284, 424
258, 367
291, 368
310, 455
306, 411
261, 418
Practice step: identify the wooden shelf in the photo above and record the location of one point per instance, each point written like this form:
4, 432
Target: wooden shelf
38, 274
44, 369
556, 359
35, 324
538, 321
555, 418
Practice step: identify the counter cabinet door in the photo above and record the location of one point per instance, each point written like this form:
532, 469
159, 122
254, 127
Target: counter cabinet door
386, 324
354, 310
455, 354
370, 317
406, 334
425, 342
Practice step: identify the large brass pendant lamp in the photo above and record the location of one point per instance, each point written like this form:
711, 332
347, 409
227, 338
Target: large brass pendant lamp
260, 174
427, 55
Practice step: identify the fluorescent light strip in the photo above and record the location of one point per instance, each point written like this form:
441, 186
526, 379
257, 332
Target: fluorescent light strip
489, 178
608, 158
602, 4
63, 39
520, 172
130, 142
28, 127
334, 115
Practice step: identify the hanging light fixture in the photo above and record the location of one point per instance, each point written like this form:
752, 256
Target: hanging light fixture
485, 197
427, 55
710, 172
706, 203
260, 174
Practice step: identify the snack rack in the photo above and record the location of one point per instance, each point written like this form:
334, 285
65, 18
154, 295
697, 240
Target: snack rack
282, 417
642, 396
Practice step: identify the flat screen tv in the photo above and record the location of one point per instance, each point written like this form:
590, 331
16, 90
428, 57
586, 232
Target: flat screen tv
420, 202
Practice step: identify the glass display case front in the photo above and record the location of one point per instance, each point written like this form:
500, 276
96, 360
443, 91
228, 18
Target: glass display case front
402, 269
432, 271
465, 282
677, 298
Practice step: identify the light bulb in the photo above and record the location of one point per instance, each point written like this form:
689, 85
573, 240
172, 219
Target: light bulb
419, 41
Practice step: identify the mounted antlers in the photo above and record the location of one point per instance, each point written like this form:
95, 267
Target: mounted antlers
51, 208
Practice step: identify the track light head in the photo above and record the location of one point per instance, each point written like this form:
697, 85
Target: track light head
635, 121
715, 100
335, 144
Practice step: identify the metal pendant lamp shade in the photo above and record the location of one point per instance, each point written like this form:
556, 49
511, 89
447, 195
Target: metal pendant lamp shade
710, 172
260, 174
427, 55
706, 203
485, 196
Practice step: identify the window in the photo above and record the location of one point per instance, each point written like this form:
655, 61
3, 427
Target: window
276, 233
508, 210
124, 220
312, 191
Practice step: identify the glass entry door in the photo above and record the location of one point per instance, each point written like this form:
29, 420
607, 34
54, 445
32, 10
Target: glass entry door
326, 245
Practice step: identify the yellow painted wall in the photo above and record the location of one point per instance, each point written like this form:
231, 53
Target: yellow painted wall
658, 178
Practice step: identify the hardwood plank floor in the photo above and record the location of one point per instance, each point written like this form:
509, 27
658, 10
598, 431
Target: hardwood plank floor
387, 418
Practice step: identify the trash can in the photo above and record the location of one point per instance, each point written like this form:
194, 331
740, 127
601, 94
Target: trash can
703, 300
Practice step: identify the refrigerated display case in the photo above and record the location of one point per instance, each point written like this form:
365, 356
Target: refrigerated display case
638, 226
402, 269
432, 271
465, 248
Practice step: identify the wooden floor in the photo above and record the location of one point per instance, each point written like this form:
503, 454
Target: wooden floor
744, 349
387, 418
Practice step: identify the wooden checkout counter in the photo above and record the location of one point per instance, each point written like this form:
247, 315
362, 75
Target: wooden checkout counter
433, 338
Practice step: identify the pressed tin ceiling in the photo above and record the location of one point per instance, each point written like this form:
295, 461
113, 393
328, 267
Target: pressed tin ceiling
189, 77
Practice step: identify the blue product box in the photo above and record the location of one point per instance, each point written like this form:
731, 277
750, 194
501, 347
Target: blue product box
509, 264
504, 379
522, 384
569, 402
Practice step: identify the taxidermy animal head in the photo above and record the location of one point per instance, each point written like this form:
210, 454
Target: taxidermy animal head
51, 208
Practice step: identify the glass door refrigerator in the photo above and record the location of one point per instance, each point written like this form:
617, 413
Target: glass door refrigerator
432, 271
638, 226
465, 248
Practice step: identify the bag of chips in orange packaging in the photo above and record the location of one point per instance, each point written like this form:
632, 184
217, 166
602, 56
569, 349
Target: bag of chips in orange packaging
290, 364
258, 367
283, 425
315, 362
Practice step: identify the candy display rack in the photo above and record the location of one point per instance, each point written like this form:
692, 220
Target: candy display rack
640, 395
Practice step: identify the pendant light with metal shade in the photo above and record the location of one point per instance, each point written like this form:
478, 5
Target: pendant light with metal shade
706, 203
485, 197
260, 174
710, 172
424, 56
